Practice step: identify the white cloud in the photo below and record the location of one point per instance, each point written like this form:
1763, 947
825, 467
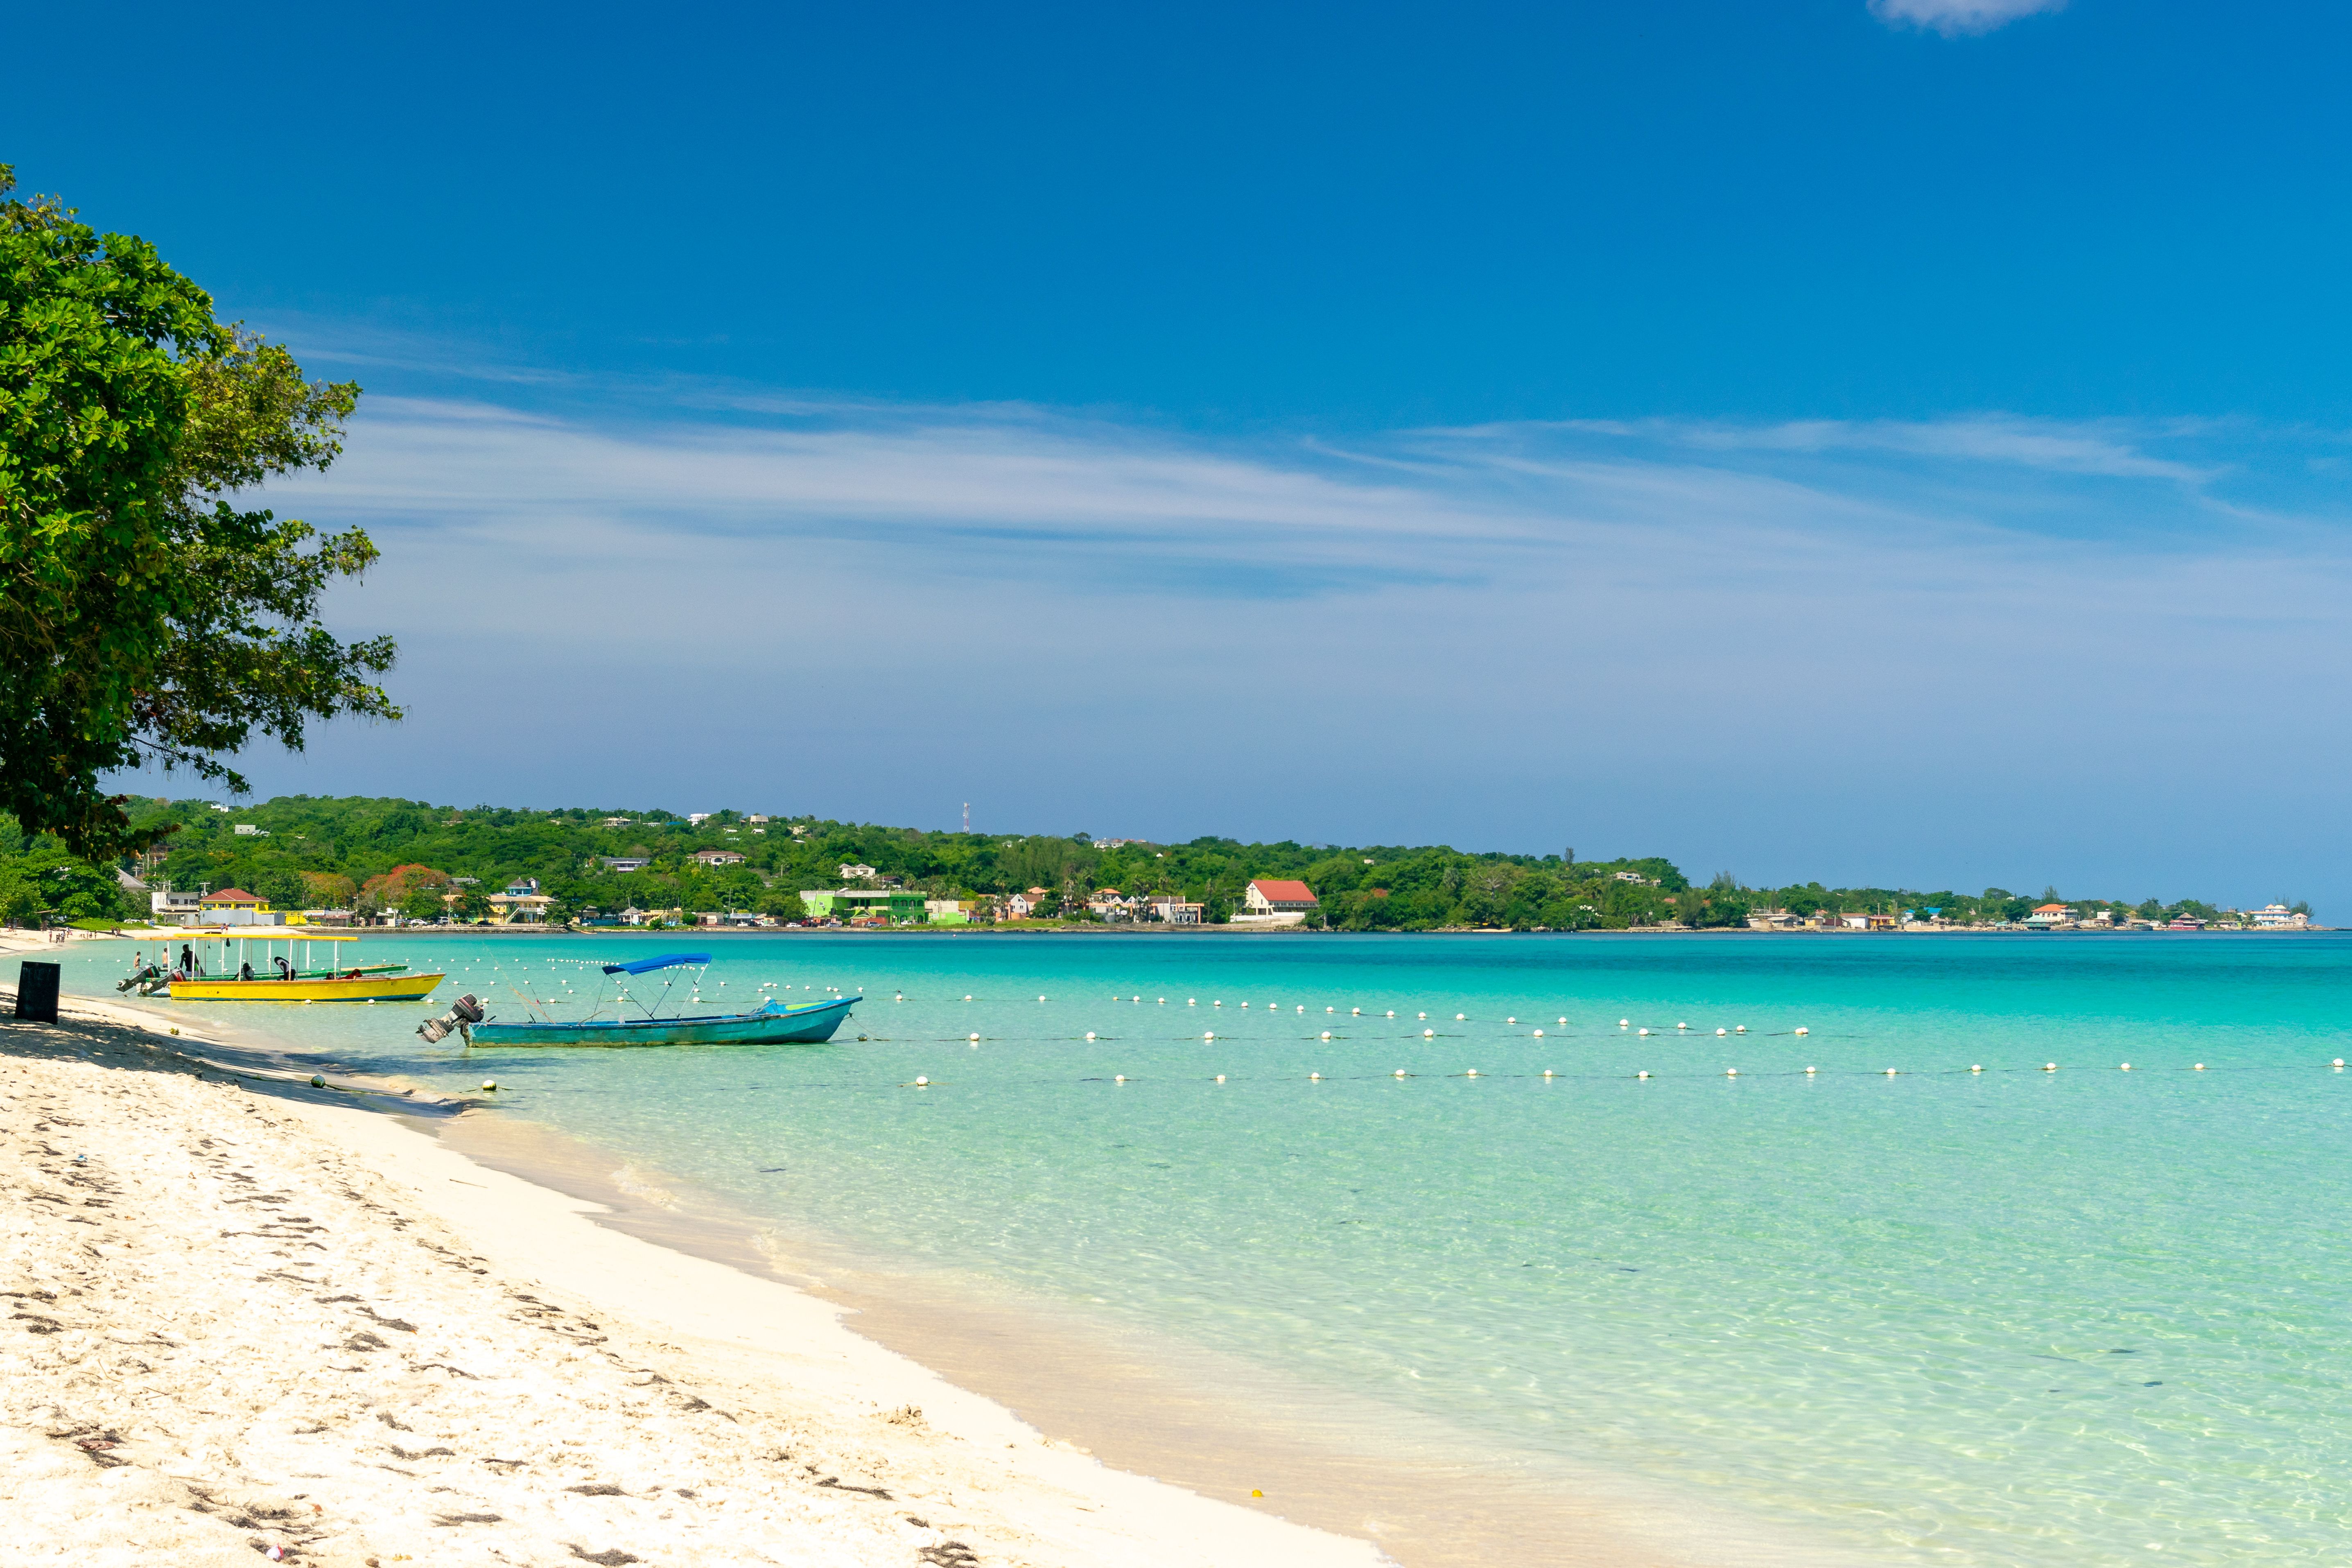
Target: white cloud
1806, 635
1954, 17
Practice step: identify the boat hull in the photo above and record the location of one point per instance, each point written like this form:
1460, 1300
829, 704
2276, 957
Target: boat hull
361, 988
771, 1025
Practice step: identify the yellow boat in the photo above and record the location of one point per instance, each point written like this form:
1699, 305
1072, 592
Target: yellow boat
222, 966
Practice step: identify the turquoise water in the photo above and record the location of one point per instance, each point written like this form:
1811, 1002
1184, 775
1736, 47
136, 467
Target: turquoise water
2079, 1318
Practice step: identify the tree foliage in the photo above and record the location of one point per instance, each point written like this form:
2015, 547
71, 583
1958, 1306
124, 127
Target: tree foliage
145, 615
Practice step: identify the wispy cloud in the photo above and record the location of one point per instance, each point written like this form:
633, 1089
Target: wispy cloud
1954, 17
1480, 633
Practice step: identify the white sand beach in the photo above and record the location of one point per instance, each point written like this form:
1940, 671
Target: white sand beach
244, 1320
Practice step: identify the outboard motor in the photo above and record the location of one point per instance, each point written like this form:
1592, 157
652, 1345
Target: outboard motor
462, 1014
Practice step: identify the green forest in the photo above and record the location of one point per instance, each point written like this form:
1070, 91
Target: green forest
373, 854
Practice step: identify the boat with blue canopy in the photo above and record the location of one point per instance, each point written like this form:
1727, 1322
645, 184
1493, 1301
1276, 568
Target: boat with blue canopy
633, 1022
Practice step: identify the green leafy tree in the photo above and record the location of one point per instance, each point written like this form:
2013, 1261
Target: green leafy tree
143, 615
422, 904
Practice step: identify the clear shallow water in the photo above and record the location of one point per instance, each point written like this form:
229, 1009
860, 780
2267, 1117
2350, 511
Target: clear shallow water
2082, 1318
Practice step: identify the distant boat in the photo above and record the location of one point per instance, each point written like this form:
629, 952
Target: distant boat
771, 1024
226, 966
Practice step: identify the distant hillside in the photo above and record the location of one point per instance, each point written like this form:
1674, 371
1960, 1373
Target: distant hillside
311, 852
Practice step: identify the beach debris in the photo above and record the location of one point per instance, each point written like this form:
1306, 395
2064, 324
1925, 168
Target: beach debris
613, 1558
317, 1082
949, 1554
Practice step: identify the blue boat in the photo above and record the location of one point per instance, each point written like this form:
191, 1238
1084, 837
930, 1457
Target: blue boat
774, 1022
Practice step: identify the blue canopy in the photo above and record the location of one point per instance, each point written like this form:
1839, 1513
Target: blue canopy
666, 961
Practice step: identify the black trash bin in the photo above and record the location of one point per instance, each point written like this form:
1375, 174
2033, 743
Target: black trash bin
37, 992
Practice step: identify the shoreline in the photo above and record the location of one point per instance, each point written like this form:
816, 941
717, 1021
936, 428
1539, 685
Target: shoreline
558, 1212
143, 1326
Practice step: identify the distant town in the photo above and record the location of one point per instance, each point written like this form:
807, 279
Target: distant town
358, 861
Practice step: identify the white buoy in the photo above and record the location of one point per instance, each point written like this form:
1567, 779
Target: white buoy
1645, 1031
1118, 1078
1643, 1073
1208, 1034
1315, 1078
1330, 1009
1192, 1001
1681, 1025
1547, 1072
967, 995
1090, 1034
1391, 1012
1327, 1034
1163, 1001
2200, 1066
1739, 1028
1623, 1023
1244, 1004
1510, 1020
2049, 1067
1538, 1033
1428, 1034
1220, 1078
491, 1084
1399, 1072
1976, 1067
1355, 1012
1890, 1072
1041, 998
1420, 1015
1303, 1008
1472, 1073
2125, 1067
922, 1083
1563, 1020
1804, 1031
1719, 1033
1731, 1072
1812, 1069
2339, 1061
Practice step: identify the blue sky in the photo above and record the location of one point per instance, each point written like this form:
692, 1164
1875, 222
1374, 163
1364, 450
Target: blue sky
1896, 442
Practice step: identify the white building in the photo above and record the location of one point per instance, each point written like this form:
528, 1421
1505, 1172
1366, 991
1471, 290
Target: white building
857, 873
2278, 917
2050, 915
1273, 901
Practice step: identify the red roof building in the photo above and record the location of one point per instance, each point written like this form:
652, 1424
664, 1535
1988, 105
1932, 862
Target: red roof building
231, 898
1276, 895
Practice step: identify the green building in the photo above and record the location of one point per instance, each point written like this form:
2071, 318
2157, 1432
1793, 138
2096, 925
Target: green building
846, 903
